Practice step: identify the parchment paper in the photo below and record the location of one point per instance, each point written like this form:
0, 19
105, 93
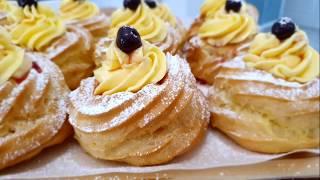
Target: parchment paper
68, 160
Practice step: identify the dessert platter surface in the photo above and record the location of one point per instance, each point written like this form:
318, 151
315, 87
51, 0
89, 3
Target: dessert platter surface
131, 92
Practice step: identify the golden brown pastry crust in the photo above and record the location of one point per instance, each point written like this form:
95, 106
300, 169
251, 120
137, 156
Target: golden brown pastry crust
3, 19
149, 127
205, 59
73, 54
98, 25
32, 113
263, 113
173, 40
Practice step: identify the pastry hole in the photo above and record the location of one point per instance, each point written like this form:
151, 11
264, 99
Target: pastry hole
160, 130
11, 130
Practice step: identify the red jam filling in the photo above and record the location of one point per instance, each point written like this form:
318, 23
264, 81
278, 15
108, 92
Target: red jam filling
35, 66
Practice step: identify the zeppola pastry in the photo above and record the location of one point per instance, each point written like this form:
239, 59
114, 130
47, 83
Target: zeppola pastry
33, 104
222, 32
136, 13
268, 100
70, 47
87, 15
141, 107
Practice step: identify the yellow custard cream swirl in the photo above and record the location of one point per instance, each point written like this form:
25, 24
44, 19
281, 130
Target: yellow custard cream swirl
122, 72
78, 10
292, 59
4, 6
13, 12
228, 28
11, 57
38, 28
150, 27
210, 7
165, 14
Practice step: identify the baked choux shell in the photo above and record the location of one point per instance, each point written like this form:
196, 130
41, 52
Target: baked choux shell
263, 113
98, 25
152, 126
73, 53
32, 113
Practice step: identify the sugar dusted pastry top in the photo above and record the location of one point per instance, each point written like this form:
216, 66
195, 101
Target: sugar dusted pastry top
78, 10
228, 25
150, 27
38, 27
130, 68
12, 63
290, 58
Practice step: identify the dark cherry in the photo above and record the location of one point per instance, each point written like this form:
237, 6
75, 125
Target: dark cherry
284, 28
151, 3
20, 80
35, 66
233, 5
131, 4
128, 39
23, 3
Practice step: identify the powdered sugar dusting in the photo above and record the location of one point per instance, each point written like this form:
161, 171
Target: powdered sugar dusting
24, 125
171, 42
237, 70
73, 35
258, 75
98, 22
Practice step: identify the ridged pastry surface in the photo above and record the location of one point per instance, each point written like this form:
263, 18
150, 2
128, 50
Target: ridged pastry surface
72, 52
32, 113
97, 25
173, 39
149, 127
264, 113
205, 60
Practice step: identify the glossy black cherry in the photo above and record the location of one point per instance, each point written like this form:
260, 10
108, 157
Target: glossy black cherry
283, 28
131, 4
233, 5
24, 3
128, 39
151, 3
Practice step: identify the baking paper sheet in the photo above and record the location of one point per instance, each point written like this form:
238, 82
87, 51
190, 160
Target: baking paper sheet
69, 160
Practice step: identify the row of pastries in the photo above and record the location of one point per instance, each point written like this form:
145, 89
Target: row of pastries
125, 83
